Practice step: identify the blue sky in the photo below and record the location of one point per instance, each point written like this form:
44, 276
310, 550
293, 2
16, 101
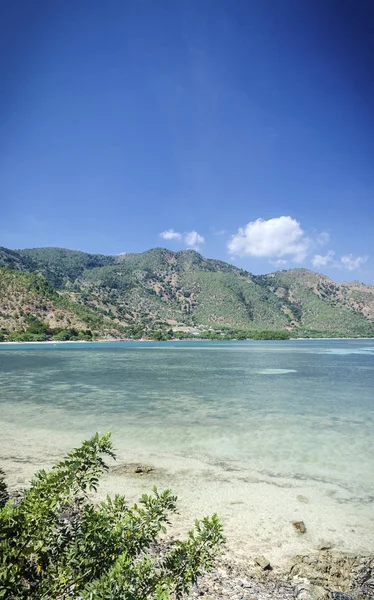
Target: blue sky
241, 128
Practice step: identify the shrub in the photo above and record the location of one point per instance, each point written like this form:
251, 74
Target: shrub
271, 335
62, 335
25, 336
55, 543
159, 336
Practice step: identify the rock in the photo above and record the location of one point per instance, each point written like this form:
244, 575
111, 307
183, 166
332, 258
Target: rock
131, 468
324, 545
302, 498
143, 469
262, 562
299, 526
346, 576
306, 591
324, 575
318, 592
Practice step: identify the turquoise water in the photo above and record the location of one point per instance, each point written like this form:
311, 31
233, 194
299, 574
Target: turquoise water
297, 415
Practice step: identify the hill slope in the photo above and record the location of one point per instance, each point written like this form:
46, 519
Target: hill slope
28, 299
61, 266
321, 304
183, 287
160, 287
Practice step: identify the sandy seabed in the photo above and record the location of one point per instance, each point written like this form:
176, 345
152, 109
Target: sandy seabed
257, 509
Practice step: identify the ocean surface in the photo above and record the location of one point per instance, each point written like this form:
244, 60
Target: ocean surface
264, 433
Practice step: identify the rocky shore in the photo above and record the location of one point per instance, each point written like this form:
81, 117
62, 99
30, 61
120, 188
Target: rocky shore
323, 575
326, 574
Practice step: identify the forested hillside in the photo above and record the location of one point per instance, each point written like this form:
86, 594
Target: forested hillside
139, 293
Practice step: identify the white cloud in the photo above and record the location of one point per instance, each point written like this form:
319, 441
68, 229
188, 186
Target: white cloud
275, 238
170, 234
319, 260
323, 238
350, 263
279, 263
193, 239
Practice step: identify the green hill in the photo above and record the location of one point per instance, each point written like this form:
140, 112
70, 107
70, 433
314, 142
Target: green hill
319, 304
181, 287
61, 266
160, 288
31, 309
13, 259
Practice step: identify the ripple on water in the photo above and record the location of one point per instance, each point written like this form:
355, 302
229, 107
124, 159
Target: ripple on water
369, 351
275, 371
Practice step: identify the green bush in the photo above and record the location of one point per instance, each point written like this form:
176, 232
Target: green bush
62, 335
25, 336
55, 543
271, 335
37, 327
160, 336
242, 335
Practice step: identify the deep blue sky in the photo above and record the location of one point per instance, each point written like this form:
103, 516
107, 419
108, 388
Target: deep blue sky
120, 120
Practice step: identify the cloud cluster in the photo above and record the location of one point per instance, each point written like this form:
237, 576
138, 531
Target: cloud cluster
274, 239
192, 239
170, 234
319, 260
282, 239
351, 263
348, 261
279, 263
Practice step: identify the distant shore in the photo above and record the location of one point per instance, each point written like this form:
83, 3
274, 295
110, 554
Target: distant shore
197, 339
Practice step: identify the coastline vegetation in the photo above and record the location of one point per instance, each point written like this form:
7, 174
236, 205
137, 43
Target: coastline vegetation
55, 542
221, 334
39, 331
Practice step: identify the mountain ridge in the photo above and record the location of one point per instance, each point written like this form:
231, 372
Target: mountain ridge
160, 288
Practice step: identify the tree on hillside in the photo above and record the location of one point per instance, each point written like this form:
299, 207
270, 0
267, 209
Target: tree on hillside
56, 543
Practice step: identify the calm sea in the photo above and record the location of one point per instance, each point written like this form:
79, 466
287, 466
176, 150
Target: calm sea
263, 432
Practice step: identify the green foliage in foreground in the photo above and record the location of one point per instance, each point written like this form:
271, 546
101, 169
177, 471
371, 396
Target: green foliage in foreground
55, 543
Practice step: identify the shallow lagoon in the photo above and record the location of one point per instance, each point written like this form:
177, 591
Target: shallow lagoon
263, 432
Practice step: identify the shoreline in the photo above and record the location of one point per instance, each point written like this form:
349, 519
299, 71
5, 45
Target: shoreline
129, 340
257, 509
323, 572
323, 575
315, 573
